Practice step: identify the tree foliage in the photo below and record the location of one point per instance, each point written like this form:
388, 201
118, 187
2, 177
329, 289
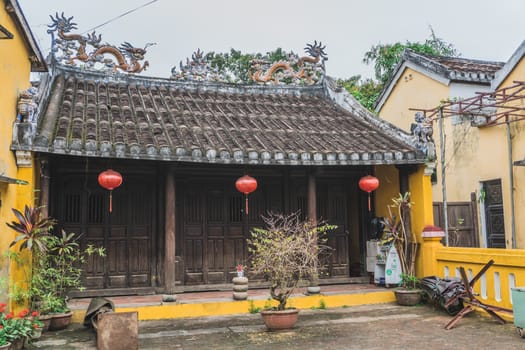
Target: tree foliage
365, 91
237, 65
384, 58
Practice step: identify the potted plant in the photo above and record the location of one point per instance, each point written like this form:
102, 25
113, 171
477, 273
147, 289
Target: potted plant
31, 231
398, 233
61, 271
55, 264
16, 329
285, 252
4, 342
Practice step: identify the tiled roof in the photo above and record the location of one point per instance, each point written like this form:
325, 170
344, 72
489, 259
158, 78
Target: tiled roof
91, 114
457, 68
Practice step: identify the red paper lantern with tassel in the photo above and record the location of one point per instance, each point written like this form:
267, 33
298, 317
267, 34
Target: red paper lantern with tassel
246, 184
368, 184
110, 180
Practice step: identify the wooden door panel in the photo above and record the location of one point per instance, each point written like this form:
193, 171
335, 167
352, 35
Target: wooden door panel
495, 222
216, 272
94, 268
214, 213
117, 272
193, 261
332, 208
82, 206
139, 269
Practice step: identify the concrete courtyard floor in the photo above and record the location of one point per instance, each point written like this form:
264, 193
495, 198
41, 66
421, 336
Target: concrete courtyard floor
379, 326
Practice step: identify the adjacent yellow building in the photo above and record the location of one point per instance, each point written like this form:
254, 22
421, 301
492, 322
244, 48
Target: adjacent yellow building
477, 169
509, 80
20, 56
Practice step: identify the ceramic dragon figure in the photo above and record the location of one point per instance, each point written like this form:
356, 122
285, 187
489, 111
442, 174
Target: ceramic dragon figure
296, 69
73, 47
134, 54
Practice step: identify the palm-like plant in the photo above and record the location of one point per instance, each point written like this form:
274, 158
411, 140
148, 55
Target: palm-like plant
398, 232
32, 228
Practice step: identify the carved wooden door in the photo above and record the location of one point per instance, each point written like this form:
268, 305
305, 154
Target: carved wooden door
332, 207
215, 227
494, 219
82, 206
205, 238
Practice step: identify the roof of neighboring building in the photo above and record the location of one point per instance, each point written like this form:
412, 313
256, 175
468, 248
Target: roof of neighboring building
38, 63
513, 61
450, 69
88, 113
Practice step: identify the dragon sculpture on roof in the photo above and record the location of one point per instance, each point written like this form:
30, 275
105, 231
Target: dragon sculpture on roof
73, 47
307, 69
276, 67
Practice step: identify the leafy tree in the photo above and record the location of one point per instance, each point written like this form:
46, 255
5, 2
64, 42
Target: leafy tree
365, 91
237, 65
385, 57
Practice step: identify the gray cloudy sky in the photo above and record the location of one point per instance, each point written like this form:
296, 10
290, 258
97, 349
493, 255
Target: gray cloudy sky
481, 29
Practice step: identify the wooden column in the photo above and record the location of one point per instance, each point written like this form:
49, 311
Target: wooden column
312, 197
169, 227
44, 187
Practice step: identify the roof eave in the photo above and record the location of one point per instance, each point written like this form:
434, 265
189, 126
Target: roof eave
338, 159
38, 63
504, 72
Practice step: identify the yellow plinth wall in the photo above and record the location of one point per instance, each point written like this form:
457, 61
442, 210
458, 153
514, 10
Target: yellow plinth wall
221, 308
494, 287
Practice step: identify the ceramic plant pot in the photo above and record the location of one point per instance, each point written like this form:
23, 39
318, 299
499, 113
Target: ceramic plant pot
46, 321
17, 344
60, 321
277, 320
408, 297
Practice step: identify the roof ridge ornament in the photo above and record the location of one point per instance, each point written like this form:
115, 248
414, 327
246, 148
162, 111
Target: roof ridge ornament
198, 69
295, 70
74, 47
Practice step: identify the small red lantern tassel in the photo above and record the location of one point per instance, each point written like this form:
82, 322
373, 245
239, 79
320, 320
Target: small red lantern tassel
111, 201
246, 205
369, 207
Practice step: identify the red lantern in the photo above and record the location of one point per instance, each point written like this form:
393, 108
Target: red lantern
368, 184
110, 180
246, 184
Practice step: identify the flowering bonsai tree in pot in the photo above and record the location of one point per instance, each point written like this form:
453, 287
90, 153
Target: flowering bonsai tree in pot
286, 252
398, 232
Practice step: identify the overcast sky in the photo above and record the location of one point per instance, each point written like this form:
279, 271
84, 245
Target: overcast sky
481, 29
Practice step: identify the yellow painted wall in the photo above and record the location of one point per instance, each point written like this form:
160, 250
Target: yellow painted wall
388, 188
420, 189
413, 90
14, 78
517, 130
